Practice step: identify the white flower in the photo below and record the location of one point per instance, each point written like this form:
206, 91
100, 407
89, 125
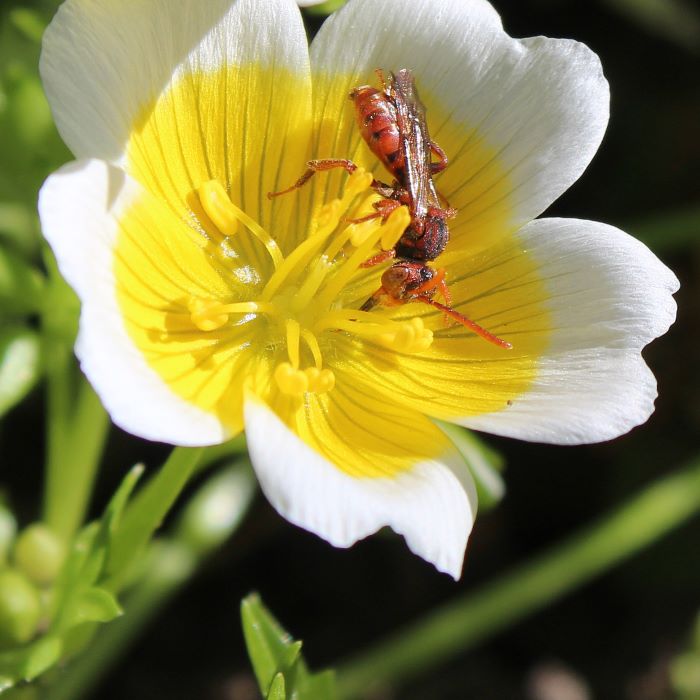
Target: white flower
208, 309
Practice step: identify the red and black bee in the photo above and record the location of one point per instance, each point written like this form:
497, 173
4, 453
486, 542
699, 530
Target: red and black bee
392, 122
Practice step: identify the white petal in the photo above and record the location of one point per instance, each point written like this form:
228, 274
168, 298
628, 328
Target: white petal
609, 297
433, 506
522, 118
103, 61
80, 206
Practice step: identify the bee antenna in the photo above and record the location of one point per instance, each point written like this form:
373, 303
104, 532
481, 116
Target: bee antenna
467, 323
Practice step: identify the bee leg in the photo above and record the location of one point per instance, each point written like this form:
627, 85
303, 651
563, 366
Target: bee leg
373, 300
379, 258
362, 219
380, 75
441, 163
315, 166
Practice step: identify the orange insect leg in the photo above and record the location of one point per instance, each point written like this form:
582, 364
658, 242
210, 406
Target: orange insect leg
379, 258
315, 166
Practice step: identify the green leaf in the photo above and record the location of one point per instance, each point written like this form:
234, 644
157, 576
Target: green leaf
676, 20
95, 605
19, 226
29, 22
217, 508
325, 8
320, 686
21, 285
77, 599
277, 689
484, 464
30, 661
148, 510
274, 653
270, 647
667, 232
20, 365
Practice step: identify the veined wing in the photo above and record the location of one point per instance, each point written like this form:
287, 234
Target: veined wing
415, 143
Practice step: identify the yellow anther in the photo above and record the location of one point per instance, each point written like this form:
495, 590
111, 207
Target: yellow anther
226, 216
329, 215
293, 334
217, 205
394, 227
290, 381
359, 233
358, 182
325, 382
312, 374
411, 337
207, 314
320, 380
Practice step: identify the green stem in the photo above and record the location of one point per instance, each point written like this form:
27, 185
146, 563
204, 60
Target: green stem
169, 567
209, 519
147, 511
58, 383
76, 443
462, 624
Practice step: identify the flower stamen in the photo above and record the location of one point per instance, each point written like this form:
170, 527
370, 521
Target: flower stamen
397, 221
211, 314
311, 341
407, 336
293, 335
297, 382
226, 216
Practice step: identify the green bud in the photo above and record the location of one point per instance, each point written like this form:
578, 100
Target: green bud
217, 508
39, 554
685, 674
20, 608
8, 530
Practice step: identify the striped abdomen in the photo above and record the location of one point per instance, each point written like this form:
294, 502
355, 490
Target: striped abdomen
376, 117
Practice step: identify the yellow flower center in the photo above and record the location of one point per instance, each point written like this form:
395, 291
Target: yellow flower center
300, 302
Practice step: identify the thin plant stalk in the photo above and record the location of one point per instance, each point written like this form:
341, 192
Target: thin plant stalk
471, 619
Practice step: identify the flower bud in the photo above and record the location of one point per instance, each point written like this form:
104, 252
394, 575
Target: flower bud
20, 608
39, 554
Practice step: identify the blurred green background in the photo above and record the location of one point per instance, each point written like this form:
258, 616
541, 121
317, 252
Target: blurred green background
618, 636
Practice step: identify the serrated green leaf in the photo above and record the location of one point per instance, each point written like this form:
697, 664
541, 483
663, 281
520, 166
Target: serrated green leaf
270, 647
21, 285
95, 605
483, 462
277, 688
20, 365
273, 653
